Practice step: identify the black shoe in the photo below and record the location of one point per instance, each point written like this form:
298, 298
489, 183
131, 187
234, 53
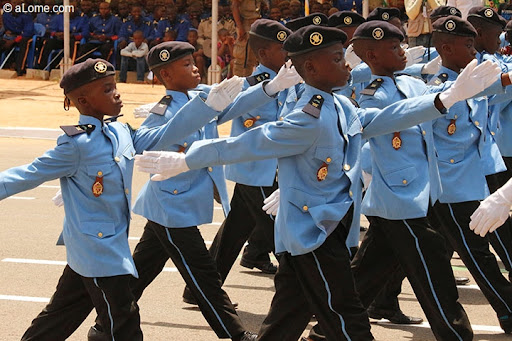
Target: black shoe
190, 299
461, 280
396, 317
248, 336
96, 334
506, 324
266, 268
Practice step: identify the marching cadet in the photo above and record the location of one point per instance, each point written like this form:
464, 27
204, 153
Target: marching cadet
94, 161
318, 148
175, 207
462, 142
489, 26
256, 180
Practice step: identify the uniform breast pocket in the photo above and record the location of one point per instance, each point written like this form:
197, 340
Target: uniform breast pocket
304, 201
98, 229
129, 152
176, 186
451, 155
99, 170
401, 177
329, 155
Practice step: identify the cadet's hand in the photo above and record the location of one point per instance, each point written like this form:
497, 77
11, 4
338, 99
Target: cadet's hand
493, 211
432, 67
472, 80
143, 110
351, 58
414, 55
286, 77
163, 165
272, 203
221, 95
57, 199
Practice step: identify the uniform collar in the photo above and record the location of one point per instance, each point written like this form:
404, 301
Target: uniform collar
178, 96
262, 68
310, 91
84, 120
452, 75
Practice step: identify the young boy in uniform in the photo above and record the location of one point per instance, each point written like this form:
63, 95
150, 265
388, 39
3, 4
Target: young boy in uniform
94, 161
318, 148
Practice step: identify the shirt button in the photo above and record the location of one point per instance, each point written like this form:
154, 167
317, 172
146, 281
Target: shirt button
280, 103
185, 144
281, 118
346, 167
127, 190
493, 133
210, 169
258, 117
424, 132
117, 159
175, 191
477, 123
455, 116
100, 173
404, 182
100, 234
350, 193
452, 160
362, 129
305, 208
328, 160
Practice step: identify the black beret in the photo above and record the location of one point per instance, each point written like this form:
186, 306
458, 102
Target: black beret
377, 30
165, 53
454, 25
346, 19
80, 74
384, 13
312, 19
444, 11
270, 30
487, 14
310, 38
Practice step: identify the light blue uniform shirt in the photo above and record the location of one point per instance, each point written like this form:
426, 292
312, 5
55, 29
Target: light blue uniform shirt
403, 179
187, 199
311, 209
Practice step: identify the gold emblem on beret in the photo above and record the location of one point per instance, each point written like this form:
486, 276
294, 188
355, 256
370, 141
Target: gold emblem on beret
347, 20
164, 55
315, 38
453, 11
450, 25
378, 33
317, 20
385, 16
488, 13
281, 35
100, 67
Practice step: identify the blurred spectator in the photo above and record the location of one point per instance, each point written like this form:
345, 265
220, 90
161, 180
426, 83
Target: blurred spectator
207, 9
464, 5
86, 8
135, 23
505, 10
275, 13
204, 31
180, 26
181, 7
135, 52
193, 14
123, 11
225, 59
348, 5
326, 8
198, 52
315, 7
245, 12
45, 19
332, 11
159, 12
104, 30
419, 27
296, 10
149, 7
286, 13
78, 27
19, 28
169, 36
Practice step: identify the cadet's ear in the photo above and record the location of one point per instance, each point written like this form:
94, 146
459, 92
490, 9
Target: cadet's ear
447, 49
370, 56
81, 100
309, 66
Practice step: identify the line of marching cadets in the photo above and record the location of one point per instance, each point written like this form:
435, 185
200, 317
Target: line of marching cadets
434, 151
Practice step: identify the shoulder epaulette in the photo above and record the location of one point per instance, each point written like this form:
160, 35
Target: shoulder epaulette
314, 106
439, 79
371, 89
253, 80
161, 107
112, 119
78, 129
354, 102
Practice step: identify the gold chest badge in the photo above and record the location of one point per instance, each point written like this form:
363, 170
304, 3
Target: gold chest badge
322, 172
396, 141
452, 127
97, 186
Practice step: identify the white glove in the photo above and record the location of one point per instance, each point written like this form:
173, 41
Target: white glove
57, 199
271, 203
493, 211
163, 165
143, 110
432, 67
351, 58
223, 94
286, 78
472, 80
414, 55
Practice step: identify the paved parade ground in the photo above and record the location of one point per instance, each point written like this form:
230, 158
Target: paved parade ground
31, 263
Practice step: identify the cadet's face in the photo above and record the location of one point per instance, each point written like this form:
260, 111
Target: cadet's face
331, 67
184, 75
275, 14
350, 33
491, 38
104, 9
276, 56
136, 13
103, 97
86, 6
463, 51
390, 55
